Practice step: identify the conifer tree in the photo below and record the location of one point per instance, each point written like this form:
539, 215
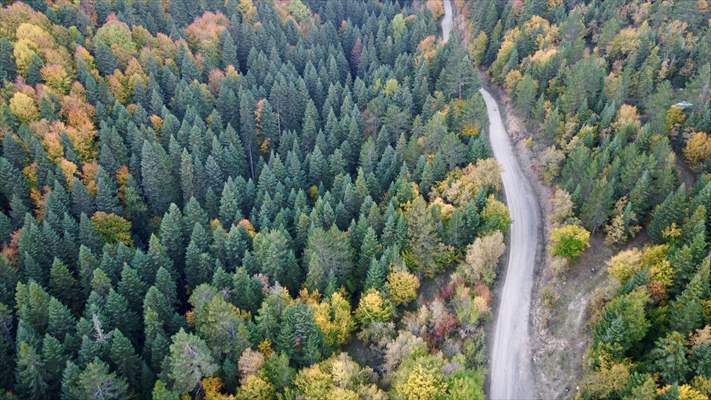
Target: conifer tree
31, 380
188, 362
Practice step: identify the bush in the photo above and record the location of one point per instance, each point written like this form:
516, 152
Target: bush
373, 308
569, 241
402, 287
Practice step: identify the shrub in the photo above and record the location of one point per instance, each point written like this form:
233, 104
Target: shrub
569, 241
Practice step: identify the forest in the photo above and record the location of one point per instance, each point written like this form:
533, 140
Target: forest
243, 200
619, 93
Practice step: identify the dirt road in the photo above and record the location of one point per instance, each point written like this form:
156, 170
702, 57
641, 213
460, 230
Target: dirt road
510, 373
511, 376
447, 20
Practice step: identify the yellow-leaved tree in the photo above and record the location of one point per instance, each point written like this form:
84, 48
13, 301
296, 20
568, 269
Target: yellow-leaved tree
697, 150
419, 378
569, 241
333, 317
23, 106
373, 307
402, 287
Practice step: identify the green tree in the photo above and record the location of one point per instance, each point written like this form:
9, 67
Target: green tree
8, 69
425, 252
96, 382
669, 357
31, 381
458, 78
687, 311
623, 322
275, 259
569, 241
299, 336
525, 95
188, 362
63, 285
327, 252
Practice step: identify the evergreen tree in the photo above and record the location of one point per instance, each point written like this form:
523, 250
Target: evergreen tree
377, 273
63, 285
299, 337
31, 380
687, 310
327, 252
96, 382
188, 362
171, 235
670, 211
8, 69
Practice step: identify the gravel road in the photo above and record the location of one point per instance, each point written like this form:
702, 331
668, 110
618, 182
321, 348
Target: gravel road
511, 376
447, 20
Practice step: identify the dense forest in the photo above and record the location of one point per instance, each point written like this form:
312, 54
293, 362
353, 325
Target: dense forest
241, 200
619, 93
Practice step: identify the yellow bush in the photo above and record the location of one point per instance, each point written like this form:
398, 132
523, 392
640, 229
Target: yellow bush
56, 77
212, 387
373, 308
675, 116
333, 317
112, 228
569, 241
23, 106
313, 383
256, 388
23, 51
420, 384
697, 150
627, 115
402, 287
687, 392
625, 264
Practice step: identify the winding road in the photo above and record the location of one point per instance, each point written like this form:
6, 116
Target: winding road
511, 375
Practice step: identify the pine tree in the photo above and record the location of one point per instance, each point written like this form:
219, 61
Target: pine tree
60, 321
369, 249
171, 235
105, 59
299, 337
124, 356
198, 262
229, 204
687, 313
96, 382
34, 74
53, 361
229, 50
669, 357
7, 348
247, 291
63, 285
132, 288
377, 273
458, 78
670, 211
272, 254
8, 69
188, 362
31, 381
327, 252
158, 181
248, 128
424, 247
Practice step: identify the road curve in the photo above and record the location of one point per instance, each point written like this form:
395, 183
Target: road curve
511, 376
